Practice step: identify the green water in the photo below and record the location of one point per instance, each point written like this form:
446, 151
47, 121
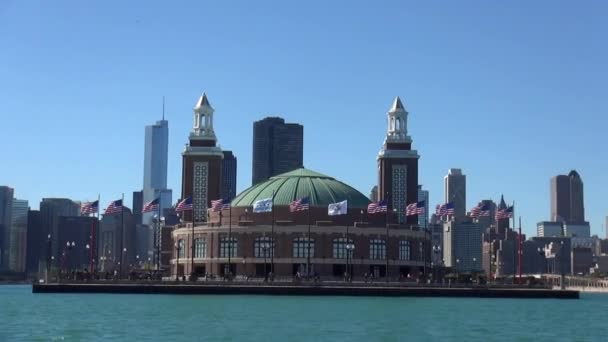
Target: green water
99, 317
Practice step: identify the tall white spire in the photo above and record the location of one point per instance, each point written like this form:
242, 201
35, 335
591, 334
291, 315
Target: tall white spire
397, 123
203, 119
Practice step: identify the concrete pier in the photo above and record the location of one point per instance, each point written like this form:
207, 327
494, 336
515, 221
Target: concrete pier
303, 290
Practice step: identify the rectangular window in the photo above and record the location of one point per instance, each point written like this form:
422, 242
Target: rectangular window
340, 247
227, 248
301, 247
404, 250
263, 247
200, 248
377, 249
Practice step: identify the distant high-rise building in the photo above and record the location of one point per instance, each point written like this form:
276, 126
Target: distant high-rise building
156, 149
37, 243
138, 204
50, 211
567, 200
549, 229
277, 148
373, 194
6, 210
228, 175
455, 191
606, 227
423, 195
110, 244
18, 236
77, 231
462, 245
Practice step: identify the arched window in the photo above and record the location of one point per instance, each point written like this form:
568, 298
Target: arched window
301, 247
200, 248
377, 249
228, 247
405, 250
339, 250
263, 247
181, 248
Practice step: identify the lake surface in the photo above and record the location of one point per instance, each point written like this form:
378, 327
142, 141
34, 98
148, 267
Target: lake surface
114, 317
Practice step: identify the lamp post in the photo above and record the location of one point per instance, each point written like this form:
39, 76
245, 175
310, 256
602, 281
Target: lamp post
68, 256
122, 261
264, 249
48, 258
87, 248
561, 265
177, 248
436, 251
350, 247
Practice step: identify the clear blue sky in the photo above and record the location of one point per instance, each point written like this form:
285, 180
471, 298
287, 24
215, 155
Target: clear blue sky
511, 92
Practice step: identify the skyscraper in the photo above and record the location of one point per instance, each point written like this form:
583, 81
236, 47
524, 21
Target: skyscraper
6, 210
37, 242
277, 148
398, 164
229, 167
455, 191
155, 167
567, 200
18, 236
423, 195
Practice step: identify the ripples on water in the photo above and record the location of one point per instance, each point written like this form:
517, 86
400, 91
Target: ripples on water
104, 317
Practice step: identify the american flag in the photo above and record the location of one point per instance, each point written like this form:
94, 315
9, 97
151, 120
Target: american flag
183, 205
480, 210
114, 207
220, 204
151, 206
416, 208
89, 208
377, 207
299, 204
444, 209
504, 213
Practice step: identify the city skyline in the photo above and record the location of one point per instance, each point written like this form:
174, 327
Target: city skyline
522, 112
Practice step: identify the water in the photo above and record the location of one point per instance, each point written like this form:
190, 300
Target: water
106, 317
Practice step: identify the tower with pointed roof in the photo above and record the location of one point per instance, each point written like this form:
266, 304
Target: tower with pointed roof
201, 162
398, 164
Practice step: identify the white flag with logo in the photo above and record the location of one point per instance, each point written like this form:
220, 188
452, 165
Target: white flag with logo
262, 206
339, 208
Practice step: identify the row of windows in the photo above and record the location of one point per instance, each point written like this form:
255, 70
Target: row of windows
263, 247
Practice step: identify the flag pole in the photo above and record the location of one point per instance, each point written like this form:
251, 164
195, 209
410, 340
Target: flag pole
308, 240
272, 245
519, 252
386, 245
229, 238
192, 252
122, 234
157, 239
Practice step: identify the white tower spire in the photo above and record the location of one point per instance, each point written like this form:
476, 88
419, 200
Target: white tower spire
203, 119
397, 123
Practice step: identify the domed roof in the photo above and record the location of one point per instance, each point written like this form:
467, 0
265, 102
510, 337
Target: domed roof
299, 183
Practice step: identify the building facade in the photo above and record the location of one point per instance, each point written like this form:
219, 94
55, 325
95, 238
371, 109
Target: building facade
50, 211
577, 230
6, 210
116, 242
75, 242
455, 191
423, 195
398, 165
278, 147
284, 243
549, 229
18, 235
462, 245
229, 167
37, 242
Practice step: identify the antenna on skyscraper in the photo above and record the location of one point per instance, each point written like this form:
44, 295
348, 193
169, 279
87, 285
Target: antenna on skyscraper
163, 107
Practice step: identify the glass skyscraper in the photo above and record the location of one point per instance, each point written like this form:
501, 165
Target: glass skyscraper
156, 151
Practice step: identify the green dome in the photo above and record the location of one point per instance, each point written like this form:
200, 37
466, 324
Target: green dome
299, 183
